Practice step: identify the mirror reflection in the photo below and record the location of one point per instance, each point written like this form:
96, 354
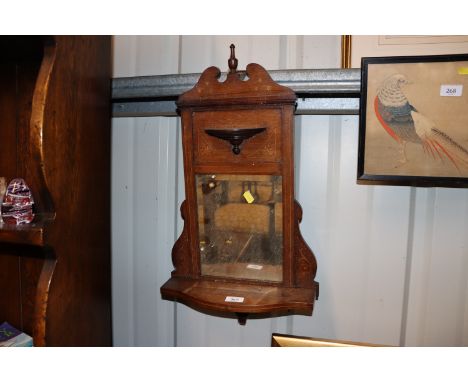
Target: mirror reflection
240, 226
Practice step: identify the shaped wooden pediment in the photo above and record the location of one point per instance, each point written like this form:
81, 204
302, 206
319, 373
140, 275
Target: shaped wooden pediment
257, 88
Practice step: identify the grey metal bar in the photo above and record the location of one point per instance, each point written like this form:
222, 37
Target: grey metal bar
305, 106
144, 109
311, 81
321, 91
342, 106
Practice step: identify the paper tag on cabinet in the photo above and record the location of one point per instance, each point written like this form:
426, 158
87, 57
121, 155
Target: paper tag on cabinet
248, 197
234, 299
255, 266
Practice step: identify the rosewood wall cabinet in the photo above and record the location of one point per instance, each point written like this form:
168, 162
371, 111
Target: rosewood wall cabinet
55, 133
240, 253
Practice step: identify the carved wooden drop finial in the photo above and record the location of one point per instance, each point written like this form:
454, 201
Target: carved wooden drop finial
232, 62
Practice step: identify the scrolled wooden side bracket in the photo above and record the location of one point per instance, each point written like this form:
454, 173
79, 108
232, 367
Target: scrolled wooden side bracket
42, 298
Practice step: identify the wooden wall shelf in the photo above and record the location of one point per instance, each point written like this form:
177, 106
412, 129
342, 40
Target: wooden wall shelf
241, 250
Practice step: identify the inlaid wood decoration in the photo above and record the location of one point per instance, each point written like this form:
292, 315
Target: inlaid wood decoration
241, 252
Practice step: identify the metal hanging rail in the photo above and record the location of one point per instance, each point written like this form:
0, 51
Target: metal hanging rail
319, 91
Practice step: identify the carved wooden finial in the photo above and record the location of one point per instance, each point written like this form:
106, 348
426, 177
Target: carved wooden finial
232, 62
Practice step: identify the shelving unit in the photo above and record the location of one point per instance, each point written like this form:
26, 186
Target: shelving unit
55, 133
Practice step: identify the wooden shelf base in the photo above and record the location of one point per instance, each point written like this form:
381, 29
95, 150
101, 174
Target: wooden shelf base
26, 234
210, 295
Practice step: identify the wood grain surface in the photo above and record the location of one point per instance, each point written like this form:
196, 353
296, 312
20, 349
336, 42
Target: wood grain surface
56, 123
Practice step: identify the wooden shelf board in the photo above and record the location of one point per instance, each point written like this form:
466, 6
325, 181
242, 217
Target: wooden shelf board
26, 234
258, 299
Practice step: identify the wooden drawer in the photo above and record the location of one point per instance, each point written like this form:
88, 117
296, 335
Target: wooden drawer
262, 148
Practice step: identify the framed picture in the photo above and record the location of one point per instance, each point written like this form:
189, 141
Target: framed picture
283, 340
413, 125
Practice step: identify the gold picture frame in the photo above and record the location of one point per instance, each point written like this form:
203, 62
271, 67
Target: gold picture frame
346, 44
283, 340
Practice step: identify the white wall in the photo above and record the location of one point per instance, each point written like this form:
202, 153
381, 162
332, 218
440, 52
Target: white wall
392, 261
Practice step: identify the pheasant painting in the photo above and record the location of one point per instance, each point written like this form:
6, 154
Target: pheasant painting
406, 125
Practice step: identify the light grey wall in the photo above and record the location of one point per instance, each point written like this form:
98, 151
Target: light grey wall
392, 261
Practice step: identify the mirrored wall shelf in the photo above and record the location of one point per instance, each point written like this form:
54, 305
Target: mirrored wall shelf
240, 253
